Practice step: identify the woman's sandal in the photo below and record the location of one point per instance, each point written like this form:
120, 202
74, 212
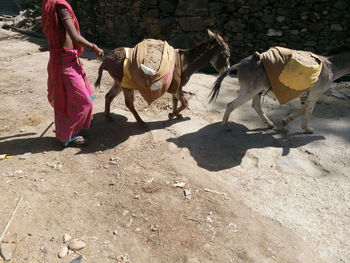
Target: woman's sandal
79, 141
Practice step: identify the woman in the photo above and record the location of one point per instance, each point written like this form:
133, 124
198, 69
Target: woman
69, 90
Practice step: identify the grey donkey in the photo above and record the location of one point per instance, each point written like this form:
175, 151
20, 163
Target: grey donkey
254, 85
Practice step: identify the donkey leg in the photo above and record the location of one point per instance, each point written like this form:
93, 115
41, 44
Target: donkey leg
307, 114
312, 98
112, 93
291, 117
183, 104
129, 97
244, 95
175, 101
256, 104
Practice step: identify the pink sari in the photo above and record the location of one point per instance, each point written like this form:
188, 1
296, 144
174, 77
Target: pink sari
69, 90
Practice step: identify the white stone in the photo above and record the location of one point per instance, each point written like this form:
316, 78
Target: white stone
66, 238
63, 252
76, 244
6, 251
179, 184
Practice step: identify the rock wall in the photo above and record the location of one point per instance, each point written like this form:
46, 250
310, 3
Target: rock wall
249, 24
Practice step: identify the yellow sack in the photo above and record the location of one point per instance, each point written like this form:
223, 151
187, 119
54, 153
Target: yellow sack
127, 81
301, 71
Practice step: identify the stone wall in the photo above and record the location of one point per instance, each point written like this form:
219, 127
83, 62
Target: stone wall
249, 24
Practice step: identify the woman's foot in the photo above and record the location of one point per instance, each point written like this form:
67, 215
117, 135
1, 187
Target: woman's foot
75, 141
79, 141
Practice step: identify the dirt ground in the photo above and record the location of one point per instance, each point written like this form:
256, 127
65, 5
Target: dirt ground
175, 191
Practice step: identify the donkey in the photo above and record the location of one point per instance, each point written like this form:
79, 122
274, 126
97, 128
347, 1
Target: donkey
214, 51
254, 85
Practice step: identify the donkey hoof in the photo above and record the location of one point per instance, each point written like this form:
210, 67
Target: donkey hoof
171, 116
270, 125
309, 131
179, 116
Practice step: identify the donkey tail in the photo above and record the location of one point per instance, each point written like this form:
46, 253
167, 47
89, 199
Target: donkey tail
217, 85
100, 72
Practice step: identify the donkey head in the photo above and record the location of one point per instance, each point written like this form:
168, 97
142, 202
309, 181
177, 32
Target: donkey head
339, 57
221, 59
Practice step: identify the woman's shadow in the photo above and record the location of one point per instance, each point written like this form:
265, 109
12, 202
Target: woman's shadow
215, 150
102, 135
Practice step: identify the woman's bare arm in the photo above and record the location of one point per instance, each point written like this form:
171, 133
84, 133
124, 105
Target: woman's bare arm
67, 21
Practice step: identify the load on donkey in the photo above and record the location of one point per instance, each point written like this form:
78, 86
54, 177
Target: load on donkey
137, 69
289, 74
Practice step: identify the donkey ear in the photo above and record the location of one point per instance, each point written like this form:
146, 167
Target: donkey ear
211, 34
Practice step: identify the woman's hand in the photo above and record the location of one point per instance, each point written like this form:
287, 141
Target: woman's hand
99, 52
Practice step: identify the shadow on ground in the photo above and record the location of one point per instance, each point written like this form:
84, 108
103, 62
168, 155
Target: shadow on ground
103, 135
215, 150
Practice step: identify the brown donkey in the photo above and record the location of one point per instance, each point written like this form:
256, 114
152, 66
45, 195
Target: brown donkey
214, 51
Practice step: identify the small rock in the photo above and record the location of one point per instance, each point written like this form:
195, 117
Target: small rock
76, 244
179, 184
138, 229
137, 197
6, 251
154, 228
113, 162
187, 192
63, 252
115, 232
233, 227
123, 258
209, 219
66, 238
57, 166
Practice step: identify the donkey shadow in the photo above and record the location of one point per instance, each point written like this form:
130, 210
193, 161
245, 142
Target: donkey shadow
103, 135
109, 134
215, 150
